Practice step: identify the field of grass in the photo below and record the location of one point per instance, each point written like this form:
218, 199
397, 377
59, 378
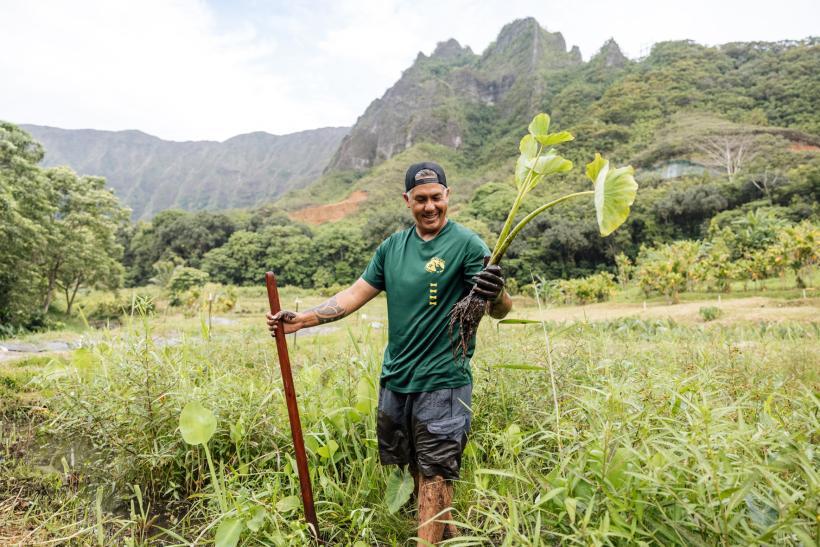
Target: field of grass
667, 432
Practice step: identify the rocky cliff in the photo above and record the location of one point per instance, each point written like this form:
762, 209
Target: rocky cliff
430, 101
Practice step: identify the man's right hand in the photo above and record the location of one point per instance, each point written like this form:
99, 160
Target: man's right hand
290, 321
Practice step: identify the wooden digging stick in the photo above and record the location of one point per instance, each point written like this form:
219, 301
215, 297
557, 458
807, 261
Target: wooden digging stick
293, 409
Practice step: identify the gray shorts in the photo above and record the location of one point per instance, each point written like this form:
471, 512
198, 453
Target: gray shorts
427, 431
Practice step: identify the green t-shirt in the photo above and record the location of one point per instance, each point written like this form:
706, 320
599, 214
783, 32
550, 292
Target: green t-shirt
423, 280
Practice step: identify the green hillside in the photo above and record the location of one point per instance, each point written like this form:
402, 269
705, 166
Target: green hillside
614, 106
675, 115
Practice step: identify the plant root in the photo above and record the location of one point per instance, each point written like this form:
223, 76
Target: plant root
464, 320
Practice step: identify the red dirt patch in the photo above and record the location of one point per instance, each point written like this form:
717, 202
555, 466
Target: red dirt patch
332, 211
802, 147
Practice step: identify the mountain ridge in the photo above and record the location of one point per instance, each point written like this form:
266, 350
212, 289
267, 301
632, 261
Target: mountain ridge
150, 174
424, 104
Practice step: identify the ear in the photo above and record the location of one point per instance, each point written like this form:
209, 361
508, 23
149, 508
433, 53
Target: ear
406, 197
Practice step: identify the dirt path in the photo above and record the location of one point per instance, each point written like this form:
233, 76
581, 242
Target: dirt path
743, 309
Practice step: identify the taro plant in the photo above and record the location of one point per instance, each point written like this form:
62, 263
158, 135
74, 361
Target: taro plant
197, 425
613, 191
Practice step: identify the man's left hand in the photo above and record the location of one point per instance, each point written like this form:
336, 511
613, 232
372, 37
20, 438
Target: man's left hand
489, 283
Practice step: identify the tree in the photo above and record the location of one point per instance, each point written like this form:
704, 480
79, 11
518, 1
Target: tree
666, 269
625, 269
185, 278
289, 252
174, 234
686, 211
727, 152
714, 265
240, 261
81, 245
798, 249
24, 208
343, 251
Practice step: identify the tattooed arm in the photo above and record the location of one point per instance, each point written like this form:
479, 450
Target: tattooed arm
342, 304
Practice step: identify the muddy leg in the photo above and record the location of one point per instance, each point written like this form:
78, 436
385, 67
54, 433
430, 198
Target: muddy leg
435, 495
450, 530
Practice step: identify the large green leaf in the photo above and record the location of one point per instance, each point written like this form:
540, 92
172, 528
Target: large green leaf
555, 138
399, 488
196, 423
541, 166
595, 166
521, 170
257, 520
288, 504
540, 125
549, 164
615, 191
528, 146
366, 398
227, 535
327, 451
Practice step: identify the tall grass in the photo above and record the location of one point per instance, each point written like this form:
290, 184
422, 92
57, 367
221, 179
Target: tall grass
669, 435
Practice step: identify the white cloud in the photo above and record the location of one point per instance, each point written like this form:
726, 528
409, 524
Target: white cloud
157, 66
189, 69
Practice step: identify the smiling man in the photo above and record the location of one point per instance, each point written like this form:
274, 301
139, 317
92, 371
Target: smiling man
425, 394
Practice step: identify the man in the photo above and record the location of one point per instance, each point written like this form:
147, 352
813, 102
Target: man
424, 399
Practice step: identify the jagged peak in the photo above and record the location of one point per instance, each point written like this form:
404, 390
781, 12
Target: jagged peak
610, 55
530, 28
525, 44
450, 49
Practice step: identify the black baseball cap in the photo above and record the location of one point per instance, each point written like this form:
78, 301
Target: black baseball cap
414, 177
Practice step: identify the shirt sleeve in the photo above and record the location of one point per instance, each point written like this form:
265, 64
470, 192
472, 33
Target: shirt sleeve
474, 258
374, 273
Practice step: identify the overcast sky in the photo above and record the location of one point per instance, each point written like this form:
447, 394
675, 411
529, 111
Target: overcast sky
196, 69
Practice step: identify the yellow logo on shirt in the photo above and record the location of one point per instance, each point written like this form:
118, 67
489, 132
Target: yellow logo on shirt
436, 265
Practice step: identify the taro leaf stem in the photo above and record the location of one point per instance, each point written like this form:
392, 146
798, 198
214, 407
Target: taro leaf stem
504, 243
223, 504
522, 191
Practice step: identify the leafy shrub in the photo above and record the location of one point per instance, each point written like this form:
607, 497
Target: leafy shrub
715, 267
798, 249
185, 278
111, 306
593, 288
709, 313
666, 269
625, 269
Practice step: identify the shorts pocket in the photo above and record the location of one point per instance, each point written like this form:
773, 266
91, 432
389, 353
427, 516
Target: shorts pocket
452, 428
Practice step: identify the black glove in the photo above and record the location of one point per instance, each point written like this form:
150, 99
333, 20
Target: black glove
489, 283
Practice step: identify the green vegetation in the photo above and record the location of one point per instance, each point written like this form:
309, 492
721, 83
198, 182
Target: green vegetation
709, 313
669, 433
715, 133
57, 232
702, 430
